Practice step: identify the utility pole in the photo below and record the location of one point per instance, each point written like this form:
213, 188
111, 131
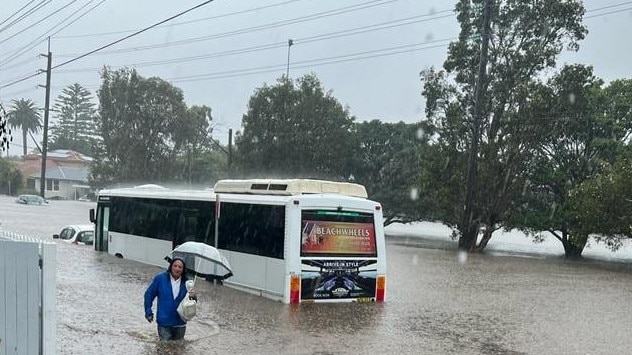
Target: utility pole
469, 234
46, 106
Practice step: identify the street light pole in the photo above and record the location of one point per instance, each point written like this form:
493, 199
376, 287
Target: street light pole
289, 45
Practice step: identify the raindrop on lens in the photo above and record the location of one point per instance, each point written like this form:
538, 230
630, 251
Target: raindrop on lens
462, 257
414, 194
420, 133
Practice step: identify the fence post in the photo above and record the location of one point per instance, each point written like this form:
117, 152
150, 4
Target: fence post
49, 321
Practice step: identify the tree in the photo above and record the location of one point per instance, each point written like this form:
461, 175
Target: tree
199, 160
603, 205
5, 131
387, 165
138, 118
10, 178
587, 127
25, 116
526, 39
295, 129
75, 127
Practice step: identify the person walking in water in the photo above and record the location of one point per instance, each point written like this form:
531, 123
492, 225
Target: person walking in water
170, 289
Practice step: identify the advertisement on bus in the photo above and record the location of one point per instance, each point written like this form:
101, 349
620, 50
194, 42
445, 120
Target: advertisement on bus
338, 279
337, 238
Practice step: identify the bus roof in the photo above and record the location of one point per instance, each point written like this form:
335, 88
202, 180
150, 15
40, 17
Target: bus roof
157, 191
289, 187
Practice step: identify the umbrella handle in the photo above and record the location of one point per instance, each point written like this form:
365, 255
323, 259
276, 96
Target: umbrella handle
197, 268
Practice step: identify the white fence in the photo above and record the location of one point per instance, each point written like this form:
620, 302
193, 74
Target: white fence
27, 288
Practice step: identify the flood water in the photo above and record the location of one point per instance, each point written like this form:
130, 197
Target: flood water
436, 304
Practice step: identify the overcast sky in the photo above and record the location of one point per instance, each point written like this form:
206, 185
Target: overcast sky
368, 52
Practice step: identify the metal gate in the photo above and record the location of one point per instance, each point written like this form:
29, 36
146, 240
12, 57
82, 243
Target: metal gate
27, 285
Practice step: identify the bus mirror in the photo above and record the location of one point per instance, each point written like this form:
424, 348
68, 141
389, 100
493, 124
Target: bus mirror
92, 219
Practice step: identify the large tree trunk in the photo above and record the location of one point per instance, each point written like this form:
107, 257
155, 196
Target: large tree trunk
487, 235
467, 241
24, 142
573, 248
572, 251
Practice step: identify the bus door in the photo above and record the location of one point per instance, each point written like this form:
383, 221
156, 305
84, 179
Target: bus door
102, 227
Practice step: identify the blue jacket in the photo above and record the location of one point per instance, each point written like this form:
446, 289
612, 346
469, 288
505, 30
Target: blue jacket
167, 309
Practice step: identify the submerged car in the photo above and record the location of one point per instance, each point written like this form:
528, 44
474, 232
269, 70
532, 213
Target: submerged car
89, 197
31, 200
82, 234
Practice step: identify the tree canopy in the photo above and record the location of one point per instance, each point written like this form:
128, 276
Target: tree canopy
295, 129
5, 131
10, 177
150, 135
525, 40
387, 164
586, 134
75, 127
137, 119
25, 116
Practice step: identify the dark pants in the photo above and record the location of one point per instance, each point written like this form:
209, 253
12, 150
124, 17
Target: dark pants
171, 333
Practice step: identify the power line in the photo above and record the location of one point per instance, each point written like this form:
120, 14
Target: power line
315, 62
251, 48
45, 35
18, 53
133, 34
78, 17
22, 75
19, 80
185, 22
608, 13
25, 15
112, 43
316, 16
17, 12
39, 21
310, 39
294, 21
609, 6
73, 55
188, 59
26, 61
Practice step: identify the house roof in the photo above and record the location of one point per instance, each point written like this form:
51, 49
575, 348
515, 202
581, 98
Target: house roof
65, 173
61, 155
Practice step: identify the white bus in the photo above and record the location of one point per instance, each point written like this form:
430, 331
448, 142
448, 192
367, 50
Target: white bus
290, 240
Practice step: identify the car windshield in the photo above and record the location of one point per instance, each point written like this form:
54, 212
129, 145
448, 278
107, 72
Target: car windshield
86, 237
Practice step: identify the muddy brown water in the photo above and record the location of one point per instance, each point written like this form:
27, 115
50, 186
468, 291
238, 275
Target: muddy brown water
487, 304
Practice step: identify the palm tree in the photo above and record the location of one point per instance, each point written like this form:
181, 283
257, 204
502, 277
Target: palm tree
25, 116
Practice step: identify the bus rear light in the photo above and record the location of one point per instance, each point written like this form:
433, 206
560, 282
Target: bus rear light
377, 208
380, 288
295, 289
296, 202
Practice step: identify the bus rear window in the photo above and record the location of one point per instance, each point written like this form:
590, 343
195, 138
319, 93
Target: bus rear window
337, 233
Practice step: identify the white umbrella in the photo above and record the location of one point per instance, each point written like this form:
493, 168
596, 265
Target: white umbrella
202, 260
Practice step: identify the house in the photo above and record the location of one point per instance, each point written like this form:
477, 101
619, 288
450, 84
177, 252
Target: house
67, 173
